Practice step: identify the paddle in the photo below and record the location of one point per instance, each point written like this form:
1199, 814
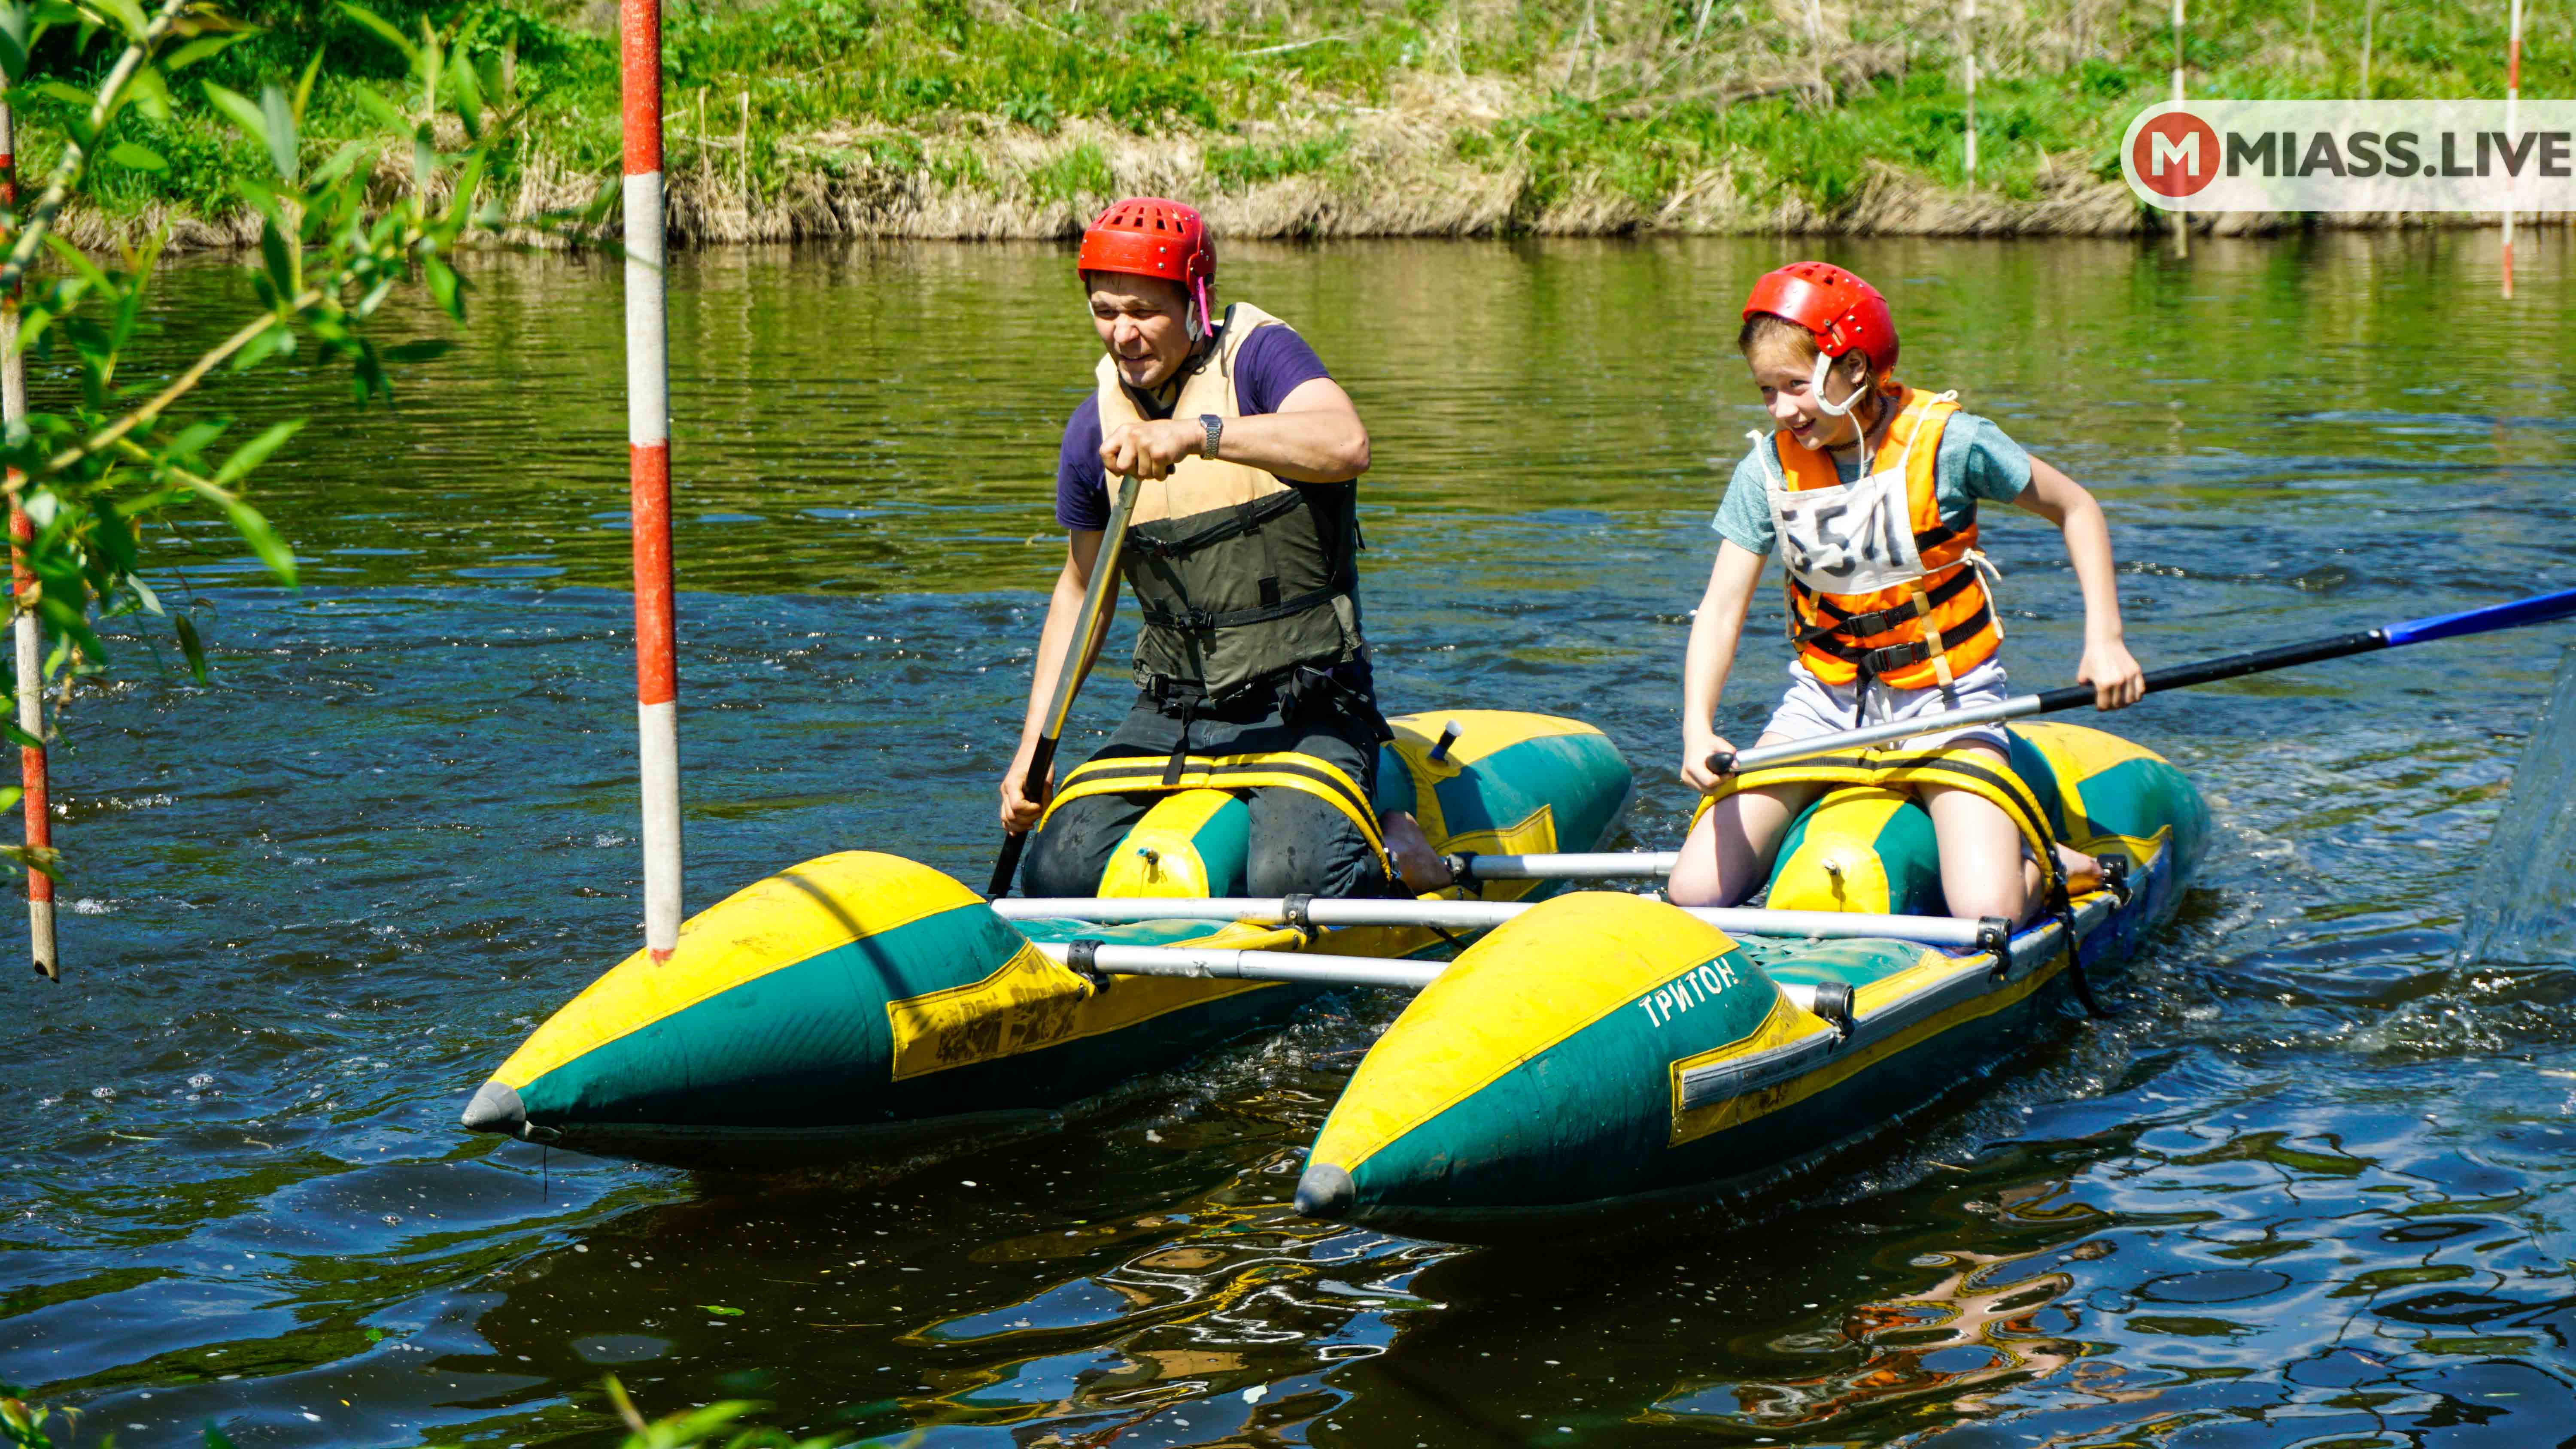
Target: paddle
1077, 651
2538, 609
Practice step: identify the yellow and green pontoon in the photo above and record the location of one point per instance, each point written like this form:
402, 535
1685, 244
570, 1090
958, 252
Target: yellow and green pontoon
1605, 1052
862, 1001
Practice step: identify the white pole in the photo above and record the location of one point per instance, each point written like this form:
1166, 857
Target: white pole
1972, 91
30, 633
2369, 19
2182, 221
2512, 103
648, 437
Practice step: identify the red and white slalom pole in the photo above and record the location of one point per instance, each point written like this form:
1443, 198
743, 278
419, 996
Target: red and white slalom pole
2512, 104
648, 437
30, 633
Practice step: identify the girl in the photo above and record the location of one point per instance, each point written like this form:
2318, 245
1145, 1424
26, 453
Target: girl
1870, 489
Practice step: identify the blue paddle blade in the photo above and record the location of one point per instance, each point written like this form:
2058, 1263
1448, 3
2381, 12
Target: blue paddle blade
2538, 609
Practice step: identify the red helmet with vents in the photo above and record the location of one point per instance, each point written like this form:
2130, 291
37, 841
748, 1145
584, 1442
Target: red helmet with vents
1147, 236
1842, 312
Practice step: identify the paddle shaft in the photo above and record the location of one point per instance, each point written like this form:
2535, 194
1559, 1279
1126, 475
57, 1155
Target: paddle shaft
1077, 654
2538, 609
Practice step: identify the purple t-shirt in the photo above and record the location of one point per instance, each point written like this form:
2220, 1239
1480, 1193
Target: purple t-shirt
1273, 363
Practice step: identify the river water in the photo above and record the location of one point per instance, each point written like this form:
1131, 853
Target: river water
2316, 1186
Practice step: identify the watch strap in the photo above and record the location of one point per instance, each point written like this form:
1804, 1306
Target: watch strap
1215, 430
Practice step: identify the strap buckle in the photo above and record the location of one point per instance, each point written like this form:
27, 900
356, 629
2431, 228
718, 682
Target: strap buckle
1890, 658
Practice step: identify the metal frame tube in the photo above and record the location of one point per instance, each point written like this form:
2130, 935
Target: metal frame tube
1202, 964
1600, 865
1471, 916
1200, 961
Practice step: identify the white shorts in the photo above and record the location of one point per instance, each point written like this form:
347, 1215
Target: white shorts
1813, 707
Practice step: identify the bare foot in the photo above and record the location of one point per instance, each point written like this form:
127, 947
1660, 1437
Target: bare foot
1420, 865
2083, 873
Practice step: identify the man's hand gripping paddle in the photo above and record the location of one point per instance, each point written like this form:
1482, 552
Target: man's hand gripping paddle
1077, 655
2538, 609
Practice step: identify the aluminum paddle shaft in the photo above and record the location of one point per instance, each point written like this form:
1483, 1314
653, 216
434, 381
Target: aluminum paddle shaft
1068, 680
2538, 609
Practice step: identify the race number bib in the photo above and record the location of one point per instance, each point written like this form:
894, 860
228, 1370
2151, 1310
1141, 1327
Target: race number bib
1851, 539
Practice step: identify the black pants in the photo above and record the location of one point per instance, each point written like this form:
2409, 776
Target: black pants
1300, 844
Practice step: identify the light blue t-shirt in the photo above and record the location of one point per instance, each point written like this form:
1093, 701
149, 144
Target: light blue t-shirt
1976, 461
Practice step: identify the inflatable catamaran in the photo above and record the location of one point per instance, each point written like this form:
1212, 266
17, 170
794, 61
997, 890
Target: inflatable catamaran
1587, 1052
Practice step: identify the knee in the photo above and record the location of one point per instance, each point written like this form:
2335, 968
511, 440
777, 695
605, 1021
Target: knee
1065, 859
1994, 896
1694, 880
1316, 872
1311, 851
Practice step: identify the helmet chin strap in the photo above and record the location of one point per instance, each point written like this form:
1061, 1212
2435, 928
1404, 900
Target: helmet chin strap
1201, 320
1816, 385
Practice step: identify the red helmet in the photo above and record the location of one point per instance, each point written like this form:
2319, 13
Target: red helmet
1839, 310
1146, 236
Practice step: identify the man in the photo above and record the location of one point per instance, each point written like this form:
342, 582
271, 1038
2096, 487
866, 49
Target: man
1242, 550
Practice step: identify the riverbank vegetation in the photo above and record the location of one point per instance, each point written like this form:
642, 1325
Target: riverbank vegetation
972, 118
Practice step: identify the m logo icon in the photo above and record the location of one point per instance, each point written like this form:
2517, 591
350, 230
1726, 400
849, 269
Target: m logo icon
2174, 155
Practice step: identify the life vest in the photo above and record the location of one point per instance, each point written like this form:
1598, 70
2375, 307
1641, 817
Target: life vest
1241, 578
1928, 616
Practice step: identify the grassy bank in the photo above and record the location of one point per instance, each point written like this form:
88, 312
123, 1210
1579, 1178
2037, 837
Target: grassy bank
981, 118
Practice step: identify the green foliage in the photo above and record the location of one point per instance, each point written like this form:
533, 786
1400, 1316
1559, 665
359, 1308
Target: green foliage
1236, 166
716, 1424
22, 1425
1079, 175
102, 464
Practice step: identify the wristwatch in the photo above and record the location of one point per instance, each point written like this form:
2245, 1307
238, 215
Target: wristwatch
1215, 429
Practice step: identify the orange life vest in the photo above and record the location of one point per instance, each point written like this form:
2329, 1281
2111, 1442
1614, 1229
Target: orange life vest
1911, 635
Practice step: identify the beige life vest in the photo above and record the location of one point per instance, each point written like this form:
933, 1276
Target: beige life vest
1241, 578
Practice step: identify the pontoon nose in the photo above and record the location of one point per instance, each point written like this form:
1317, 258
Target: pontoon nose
1324, 1191
496, 1108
